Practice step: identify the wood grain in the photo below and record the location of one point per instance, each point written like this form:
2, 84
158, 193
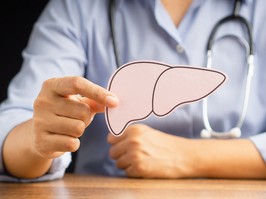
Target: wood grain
80, 186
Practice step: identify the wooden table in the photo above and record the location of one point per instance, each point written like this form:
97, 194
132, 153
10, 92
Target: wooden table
77, 186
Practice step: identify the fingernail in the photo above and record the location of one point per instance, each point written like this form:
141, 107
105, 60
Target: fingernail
111, 101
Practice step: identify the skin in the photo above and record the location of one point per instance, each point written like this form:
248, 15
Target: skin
66, 106
144, 152
176, 9
60, 118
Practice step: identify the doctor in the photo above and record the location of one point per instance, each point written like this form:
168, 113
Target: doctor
74, 49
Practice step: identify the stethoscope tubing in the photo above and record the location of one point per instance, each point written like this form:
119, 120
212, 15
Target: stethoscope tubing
235, 132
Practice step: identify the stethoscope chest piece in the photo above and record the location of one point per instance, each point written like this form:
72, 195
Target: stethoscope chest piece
233, 133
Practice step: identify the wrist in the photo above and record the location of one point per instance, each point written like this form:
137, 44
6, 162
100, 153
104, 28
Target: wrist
197, 158
20, 158
188, 158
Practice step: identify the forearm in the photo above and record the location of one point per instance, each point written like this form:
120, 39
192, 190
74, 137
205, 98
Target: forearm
20, 159
228, 159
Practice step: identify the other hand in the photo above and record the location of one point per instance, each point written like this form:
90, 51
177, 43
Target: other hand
145, 152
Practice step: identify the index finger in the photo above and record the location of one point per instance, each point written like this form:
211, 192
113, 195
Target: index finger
74, 85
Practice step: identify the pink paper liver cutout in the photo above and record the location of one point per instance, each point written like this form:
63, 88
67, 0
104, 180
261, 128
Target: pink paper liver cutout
147, 87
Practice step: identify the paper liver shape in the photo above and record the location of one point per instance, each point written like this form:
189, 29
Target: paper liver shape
146, 87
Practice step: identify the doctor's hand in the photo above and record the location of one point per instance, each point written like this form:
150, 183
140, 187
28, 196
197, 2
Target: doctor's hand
145, 152
148, 153
63, 109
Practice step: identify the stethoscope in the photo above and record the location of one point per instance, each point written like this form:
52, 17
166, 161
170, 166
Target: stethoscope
208, 132
234, 132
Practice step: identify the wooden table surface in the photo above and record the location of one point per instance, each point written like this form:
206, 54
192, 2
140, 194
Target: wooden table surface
78, 186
